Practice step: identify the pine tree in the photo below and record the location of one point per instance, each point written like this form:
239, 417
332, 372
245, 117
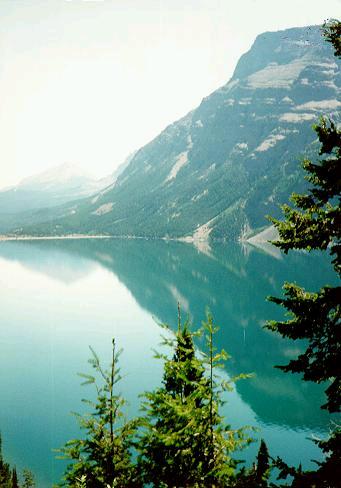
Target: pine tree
184, 441
315, 223
103, 457
263, 464
28, 479
332, 34
9, 477
5, 470
15, 483
258, 475
183, 359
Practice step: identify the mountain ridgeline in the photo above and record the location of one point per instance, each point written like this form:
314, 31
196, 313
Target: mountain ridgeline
218, 171
47, 189
28, 201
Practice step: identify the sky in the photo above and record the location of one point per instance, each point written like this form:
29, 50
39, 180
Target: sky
89, 81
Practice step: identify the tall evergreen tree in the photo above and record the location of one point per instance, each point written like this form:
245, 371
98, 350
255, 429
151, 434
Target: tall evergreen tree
103, 457
332, 34
315, 223
15, 483
5, 471
263, 464
184, 441
258, 475
9, 477
183, 362
28, 479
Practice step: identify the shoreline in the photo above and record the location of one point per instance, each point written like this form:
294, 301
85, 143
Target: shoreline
262, 238
45, 238
187, 240
202, 245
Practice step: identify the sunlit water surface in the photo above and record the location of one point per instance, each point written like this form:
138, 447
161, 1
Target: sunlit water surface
59, 297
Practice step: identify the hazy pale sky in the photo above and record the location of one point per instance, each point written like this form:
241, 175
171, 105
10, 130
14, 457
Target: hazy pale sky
89, 81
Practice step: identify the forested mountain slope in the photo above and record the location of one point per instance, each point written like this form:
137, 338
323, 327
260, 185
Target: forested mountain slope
220, 169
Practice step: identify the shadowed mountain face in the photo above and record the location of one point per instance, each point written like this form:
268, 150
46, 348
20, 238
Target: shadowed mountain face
232, 281
219, 170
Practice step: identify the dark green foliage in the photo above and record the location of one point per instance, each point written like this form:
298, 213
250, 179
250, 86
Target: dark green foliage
332, 34
102, 458
8, 475
316, 317
263, 464
328, 473
184, 441
28, 479
5, 471
258, 475
315, 223
14, 479
184, 364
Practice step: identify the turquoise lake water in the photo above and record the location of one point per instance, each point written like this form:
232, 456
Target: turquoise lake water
59, 297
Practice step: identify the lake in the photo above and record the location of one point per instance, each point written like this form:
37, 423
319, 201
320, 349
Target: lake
60, 296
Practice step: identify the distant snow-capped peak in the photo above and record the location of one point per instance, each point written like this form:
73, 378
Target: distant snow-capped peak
58, 175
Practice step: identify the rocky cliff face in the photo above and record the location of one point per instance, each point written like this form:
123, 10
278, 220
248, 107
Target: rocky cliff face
219, 170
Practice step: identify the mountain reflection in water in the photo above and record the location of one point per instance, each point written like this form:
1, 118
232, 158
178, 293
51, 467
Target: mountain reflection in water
231, 279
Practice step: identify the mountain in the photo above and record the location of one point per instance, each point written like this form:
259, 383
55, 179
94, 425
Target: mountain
47, 189
220, 169
108, 182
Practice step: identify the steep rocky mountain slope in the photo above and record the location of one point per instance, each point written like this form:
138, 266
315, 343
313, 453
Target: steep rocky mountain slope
220, 169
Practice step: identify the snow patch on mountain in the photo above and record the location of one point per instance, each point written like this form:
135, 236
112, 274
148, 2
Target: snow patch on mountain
230, 102
270, 101
241, 146
269, 142
287, 100
296, 118
326, 65
59, 175
207, 172
328, 72
328, 84
103, 209
277, 76
304, 81
245, 101
320, 105
181, 160
200, 195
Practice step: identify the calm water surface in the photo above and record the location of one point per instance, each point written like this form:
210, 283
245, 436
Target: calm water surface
59, 297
